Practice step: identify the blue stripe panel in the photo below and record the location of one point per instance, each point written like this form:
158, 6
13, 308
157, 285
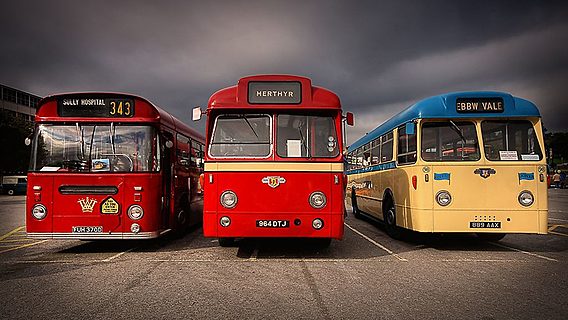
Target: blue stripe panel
444, 107
526, 176
377, 167
442, 176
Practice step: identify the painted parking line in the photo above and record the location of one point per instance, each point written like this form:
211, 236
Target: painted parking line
523, 251
117, 255
557, 219
558, 233
23, 246
18, 229
375, 243
16, 239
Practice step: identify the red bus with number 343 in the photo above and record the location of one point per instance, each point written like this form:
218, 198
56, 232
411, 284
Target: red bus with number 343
274, 162
111, 166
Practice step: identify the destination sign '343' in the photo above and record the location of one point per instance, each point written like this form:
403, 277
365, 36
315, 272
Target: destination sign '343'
95, 107
274, 92
480, 105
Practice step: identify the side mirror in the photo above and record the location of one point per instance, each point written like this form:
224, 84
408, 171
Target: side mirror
169, 144
27, 141
196, 116
349, 118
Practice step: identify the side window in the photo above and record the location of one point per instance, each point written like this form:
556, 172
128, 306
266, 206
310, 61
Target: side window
375, 151
196, 154
182, 151
406, 146
367, 155
386, 147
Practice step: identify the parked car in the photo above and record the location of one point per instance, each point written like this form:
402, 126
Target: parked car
12, 185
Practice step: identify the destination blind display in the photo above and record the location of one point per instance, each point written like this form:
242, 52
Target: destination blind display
95, 107
273, 92
480, 105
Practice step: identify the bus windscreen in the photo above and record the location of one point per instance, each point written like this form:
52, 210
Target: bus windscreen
95, 148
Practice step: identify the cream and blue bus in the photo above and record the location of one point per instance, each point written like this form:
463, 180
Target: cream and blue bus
469, 162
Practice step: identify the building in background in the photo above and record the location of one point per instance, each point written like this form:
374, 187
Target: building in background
18, 103
17, 111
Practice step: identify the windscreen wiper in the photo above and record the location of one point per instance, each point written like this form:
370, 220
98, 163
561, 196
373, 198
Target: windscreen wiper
250, 126
80, 133
303, 141
459, 132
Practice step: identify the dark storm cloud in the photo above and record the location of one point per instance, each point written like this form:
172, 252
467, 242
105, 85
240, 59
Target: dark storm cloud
379, 56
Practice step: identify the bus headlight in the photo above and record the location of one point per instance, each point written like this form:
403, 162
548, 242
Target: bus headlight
225, 221
135, 212
317, 200
317, 223
39, 211
443, 198
526, 198
229, 199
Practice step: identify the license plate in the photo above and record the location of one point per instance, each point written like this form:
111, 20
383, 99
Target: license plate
485, 225
97, 229
272, 223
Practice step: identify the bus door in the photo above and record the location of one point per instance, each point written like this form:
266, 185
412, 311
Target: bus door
168, 168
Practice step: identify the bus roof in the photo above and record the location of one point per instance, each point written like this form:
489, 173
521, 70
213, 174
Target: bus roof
47, 111
444, 106
237, 97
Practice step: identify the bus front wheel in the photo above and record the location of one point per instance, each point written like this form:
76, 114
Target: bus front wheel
226, 242
389, 217
491, 236
354, 206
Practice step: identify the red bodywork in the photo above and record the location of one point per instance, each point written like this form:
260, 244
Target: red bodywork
64, 210
289, 200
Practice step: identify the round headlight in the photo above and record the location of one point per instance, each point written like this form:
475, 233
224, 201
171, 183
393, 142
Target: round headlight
526, 198
135, 212
135, 228
317, 200
229, 199
39, 211
317, 223
443, 198
225, 221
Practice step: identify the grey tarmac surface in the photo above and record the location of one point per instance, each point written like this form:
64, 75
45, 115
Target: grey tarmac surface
366, 276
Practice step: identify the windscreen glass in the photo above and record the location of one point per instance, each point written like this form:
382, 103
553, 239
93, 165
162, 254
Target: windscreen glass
241, 135
510, 140
306, 136
95, 148
449, 141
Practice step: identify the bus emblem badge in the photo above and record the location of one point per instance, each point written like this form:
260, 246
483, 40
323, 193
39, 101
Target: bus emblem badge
485, 172
87, 204
273, 181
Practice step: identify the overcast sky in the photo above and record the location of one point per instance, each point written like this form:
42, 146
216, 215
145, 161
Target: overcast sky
378, 56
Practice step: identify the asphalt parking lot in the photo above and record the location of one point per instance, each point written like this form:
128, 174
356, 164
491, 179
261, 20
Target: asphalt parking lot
366, 276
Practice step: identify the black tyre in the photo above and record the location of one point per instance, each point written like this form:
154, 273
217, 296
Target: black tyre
389, 218
355, 208
323, 242
491, 236
226, 242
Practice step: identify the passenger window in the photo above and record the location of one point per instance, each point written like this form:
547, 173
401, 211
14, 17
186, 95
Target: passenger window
406, 146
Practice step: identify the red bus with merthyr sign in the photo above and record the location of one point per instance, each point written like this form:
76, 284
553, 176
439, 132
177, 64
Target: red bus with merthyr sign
111, 166
274, 161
